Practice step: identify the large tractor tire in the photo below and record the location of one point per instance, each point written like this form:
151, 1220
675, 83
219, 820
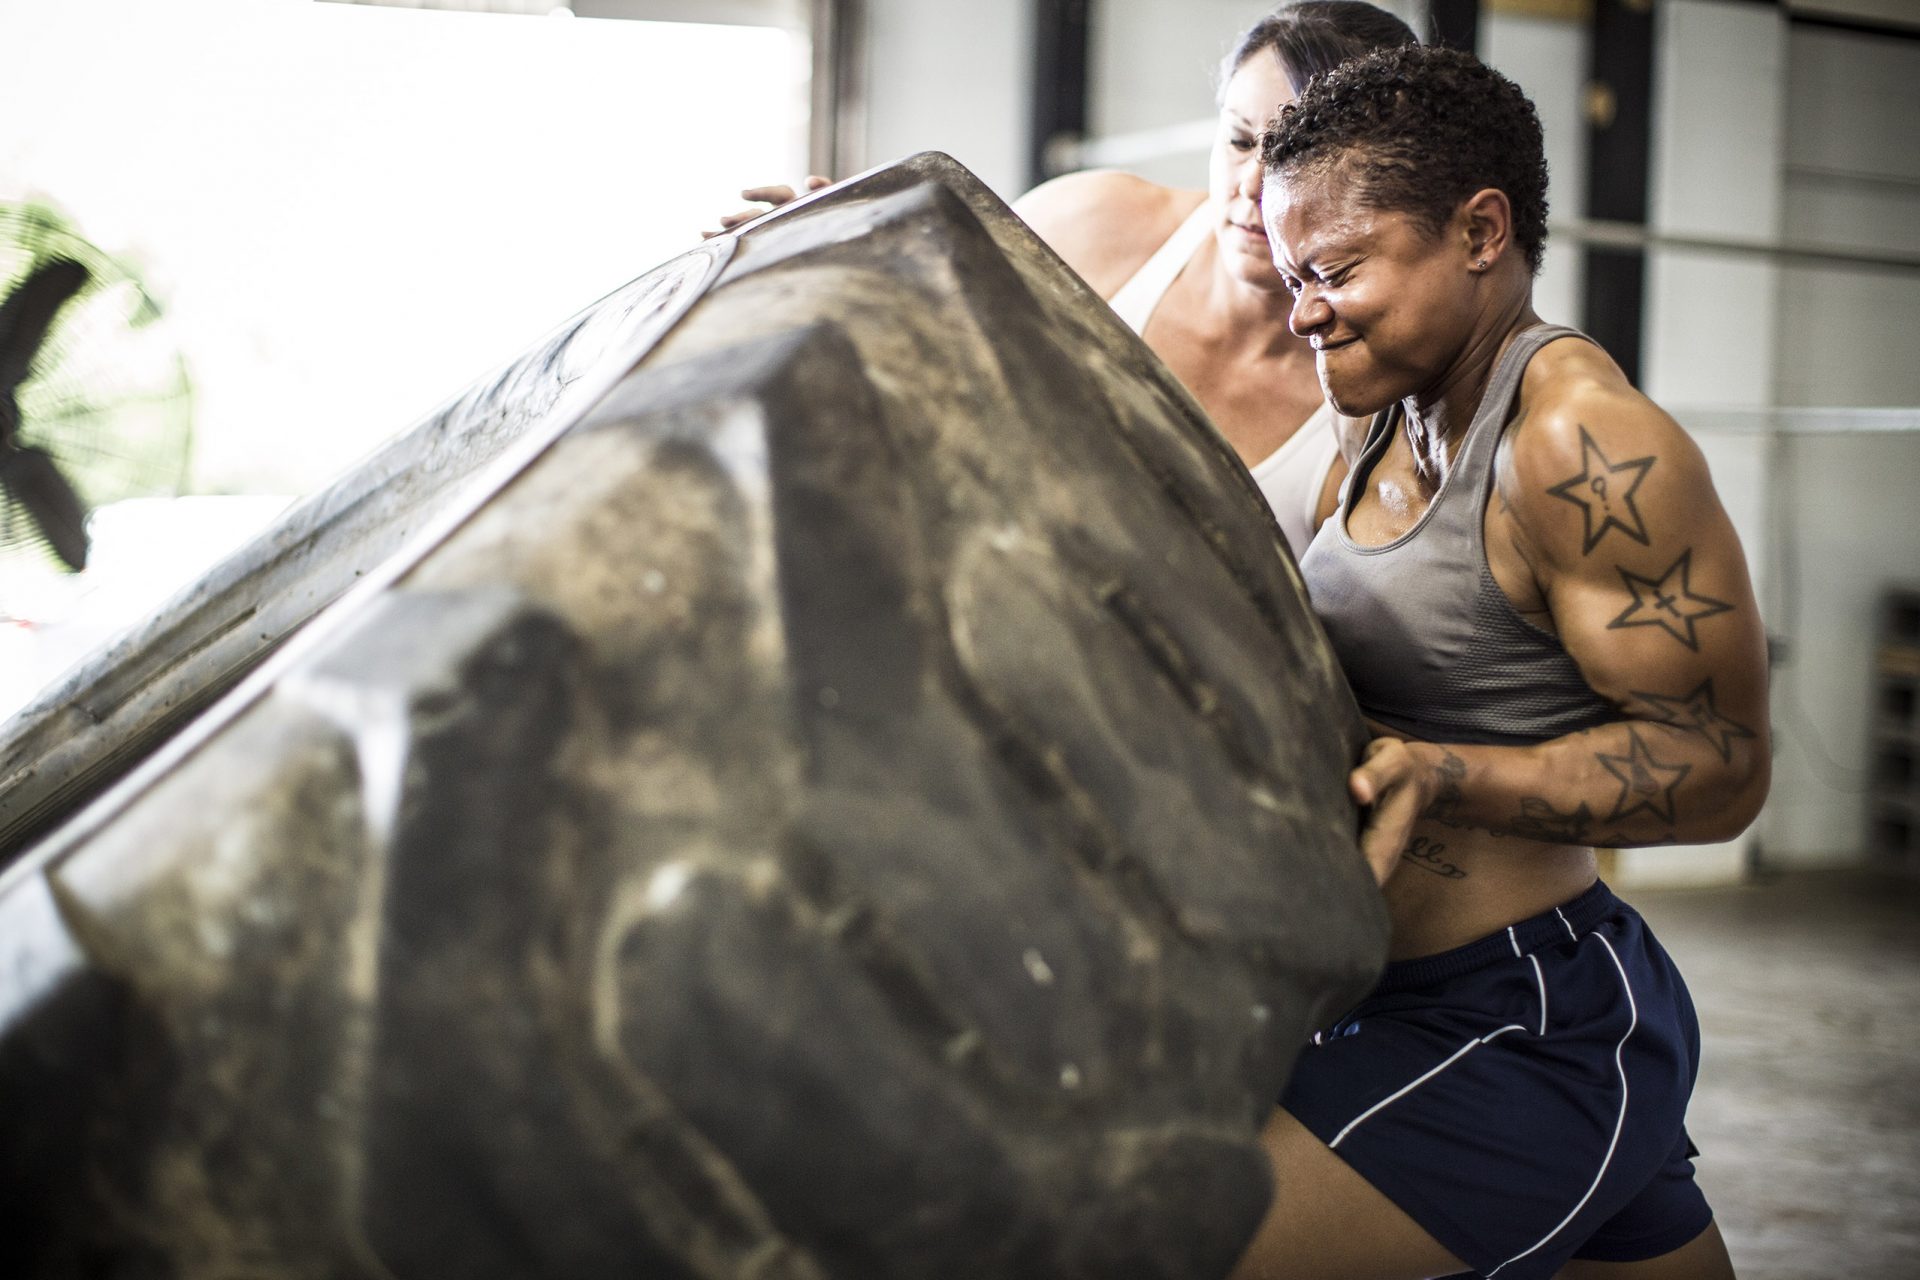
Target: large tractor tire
118, 705
862, 797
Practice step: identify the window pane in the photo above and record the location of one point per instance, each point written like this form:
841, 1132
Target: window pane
352, 211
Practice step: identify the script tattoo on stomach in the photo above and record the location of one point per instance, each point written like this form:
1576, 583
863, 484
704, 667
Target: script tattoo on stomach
1428, 855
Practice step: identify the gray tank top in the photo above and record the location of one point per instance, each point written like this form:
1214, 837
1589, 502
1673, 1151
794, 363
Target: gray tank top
1428, 640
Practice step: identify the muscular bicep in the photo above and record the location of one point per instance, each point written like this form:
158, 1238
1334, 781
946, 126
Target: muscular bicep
1646, 582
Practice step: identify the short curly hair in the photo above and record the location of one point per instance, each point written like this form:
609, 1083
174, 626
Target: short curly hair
1420, 128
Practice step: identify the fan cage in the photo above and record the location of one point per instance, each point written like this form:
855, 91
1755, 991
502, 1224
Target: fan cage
107, 395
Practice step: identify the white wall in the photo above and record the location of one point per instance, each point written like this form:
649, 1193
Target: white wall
1852, 179
1548, 58
1844, 530
1155, 64
1719, 110
1841, 527
951, 77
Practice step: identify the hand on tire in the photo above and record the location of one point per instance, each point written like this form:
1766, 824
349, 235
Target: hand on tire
773, 197
1395, 787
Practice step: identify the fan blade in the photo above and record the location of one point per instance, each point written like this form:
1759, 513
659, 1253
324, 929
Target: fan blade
31, 479
28, 313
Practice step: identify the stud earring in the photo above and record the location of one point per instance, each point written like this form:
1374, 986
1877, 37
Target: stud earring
1480, 265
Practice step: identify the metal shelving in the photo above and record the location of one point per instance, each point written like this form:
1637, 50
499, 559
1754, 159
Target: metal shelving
1893, 816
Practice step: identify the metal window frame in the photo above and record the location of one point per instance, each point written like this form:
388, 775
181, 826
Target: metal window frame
837, 120
1898, 19
737, 13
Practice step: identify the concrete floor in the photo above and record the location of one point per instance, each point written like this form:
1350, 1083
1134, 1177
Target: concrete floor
1807, 1114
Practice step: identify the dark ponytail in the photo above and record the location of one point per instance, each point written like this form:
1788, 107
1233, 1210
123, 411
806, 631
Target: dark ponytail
1312, 36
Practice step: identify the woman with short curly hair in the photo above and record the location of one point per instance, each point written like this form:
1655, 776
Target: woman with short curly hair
1546, 617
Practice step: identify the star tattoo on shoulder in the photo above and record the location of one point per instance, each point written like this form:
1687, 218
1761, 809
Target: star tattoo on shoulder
1604, 493
1668, 602
1646, 783
1694, 711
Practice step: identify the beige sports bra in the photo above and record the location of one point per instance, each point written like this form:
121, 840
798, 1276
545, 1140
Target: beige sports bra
1291, 477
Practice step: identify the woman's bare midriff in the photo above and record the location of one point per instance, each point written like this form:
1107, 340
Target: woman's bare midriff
1456, 885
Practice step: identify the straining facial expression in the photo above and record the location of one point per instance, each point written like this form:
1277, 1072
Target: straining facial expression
1405, 202
1385, 302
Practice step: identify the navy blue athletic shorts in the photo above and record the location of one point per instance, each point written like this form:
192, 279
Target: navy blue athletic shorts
1523, 1097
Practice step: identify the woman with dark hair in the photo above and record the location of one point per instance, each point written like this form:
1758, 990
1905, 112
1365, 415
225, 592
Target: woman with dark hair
1191, 271
1546, 617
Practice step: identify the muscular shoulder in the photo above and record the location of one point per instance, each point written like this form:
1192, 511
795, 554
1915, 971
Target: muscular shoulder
1105, 223
1591, 460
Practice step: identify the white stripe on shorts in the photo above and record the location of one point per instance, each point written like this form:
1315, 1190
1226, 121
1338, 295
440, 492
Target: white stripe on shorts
1541, 978
1404, 1090
1618, 1124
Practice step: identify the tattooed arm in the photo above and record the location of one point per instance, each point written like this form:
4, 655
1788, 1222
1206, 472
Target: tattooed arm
1608, 523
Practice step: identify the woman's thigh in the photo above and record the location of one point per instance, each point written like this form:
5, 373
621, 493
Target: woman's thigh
1329, 1223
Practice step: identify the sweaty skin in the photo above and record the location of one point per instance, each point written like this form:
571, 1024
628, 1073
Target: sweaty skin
1604, 529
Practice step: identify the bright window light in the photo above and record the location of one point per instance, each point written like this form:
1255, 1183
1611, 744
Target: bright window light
352, 211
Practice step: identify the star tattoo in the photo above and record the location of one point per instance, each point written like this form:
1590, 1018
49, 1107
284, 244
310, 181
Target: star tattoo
1604, 493
1694, 712
1668, 602
1645, 783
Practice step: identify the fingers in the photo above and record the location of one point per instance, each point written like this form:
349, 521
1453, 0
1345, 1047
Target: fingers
780, 193
1389, 826
1373, 774
731, 220
728, 221
1384, 783
775, 195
